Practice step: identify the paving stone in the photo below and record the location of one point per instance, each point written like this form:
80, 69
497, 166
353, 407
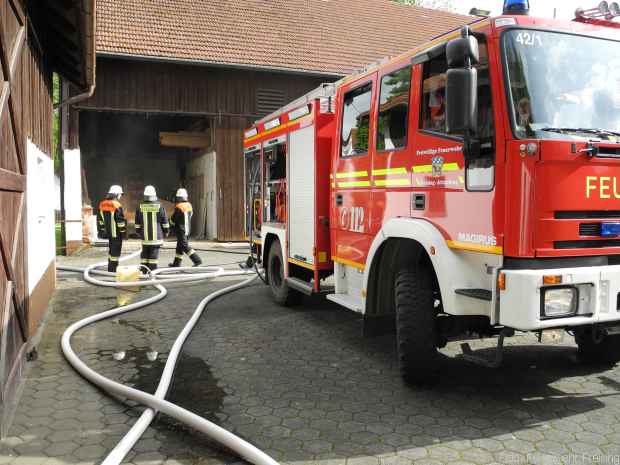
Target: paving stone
305, 386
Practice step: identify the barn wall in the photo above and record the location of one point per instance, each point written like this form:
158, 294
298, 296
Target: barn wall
146, 86
26, 114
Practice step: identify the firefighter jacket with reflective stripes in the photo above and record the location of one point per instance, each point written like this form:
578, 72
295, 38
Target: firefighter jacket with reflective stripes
111, 222
181, 219
152, 223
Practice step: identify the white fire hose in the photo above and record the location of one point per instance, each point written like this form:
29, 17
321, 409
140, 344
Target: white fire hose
156, 402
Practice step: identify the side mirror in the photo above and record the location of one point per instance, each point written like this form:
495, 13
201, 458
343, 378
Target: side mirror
462, 90
461, 101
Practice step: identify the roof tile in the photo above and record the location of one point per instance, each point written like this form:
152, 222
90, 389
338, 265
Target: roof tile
320, 36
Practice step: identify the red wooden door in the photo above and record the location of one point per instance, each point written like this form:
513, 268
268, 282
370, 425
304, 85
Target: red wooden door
13, 283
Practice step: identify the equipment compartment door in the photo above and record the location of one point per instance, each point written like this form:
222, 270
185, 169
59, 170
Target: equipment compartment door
301, 194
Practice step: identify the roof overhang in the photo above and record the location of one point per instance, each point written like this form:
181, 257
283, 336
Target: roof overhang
215, 64
65, 30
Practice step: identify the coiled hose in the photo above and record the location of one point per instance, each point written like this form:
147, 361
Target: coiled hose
156, 402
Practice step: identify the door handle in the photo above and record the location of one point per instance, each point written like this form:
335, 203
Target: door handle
339, 200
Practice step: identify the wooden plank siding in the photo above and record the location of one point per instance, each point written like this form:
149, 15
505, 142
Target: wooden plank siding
126, 85
228, 97
25, 113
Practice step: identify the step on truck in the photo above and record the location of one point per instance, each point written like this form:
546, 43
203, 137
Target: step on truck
468, 188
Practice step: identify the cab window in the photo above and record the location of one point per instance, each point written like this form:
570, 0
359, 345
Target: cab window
480, 173
393, 110
356, 121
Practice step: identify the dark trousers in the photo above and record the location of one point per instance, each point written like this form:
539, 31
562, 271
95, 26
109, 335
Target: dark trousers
149, 256
183, 248
114, 253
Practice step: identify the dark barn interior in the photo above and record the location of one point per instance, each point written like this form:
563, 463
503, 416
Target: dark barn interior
125, 149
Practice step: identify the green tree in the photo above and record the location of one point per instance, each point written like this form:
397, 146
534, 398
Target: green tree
56, 121
435, 4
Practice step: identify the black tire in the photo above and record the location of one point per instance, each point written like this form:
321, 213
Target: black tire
416, 326
602, 350
282, 293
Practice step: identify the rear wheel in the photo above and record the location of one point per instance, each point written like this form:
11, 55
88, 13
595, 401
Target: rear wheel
282, 293
597, 347
416, 326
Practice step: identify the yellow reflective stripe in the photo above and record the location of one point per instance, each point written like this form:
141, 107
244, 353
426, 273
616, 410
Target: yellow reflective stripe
148, 242
154, 226
333, 184
191, 252
461, 179
392, 182
351, 263
386, 171
423, 169
113, 259
277, 128
352, 174
492, 249
113, 225
354, 184
451, 167
179, 256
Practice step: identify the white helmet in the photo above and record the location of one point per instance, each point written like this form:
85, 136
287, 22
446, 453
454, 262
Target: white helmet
149, 191
182, 193
115, 189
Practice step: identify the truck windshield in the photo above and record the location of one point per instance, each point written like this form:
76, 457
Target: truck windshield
563, 85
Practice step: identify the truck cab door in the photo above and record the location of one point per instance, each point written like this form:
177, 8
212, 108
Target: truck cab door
459, 197
351, 171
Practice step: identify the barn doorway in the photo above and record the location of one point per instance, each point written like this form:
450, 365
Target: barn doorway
136, 149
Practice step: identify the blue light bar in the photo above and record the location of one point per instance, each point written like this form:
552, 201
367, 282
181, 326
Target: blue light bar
516, 7
610, 229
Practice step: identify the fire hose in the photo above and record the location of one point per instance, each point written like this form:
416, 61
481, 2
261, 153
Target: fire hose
156, 402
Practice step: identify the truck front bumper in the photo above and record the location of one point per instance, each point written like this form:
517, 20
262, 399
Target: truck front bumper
527, 303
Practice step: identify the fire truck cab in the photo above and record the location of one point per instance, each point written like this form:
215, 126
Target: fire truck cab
470, 187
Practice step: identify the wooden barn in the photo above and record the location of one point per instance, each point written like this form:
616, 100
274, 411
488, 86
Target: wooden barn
36, 38
178, 81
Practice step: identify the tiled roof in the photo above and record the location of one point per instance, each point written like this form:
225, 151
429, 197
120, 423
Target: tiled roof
319, 36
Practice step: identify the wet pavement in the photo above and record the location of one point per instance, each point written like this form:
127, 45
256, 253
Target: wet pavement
304, 385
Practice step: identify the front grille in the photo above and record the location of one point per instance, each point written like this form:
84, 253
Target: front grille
590, 229
589, 244
586, 215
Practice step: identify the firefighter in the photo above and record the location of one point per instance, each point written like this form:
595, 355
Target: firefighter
152, 226
180, 221
111, 225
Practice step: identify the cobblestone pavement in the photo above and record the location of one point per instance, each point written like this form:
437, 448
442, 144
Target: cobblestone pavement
303, 384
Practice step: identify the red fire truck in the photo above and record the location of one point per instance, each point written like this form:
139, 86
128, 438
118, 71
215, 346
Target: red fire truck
468, 188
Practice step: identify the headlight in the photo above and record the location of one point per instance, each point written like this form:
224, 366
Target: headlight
559, 302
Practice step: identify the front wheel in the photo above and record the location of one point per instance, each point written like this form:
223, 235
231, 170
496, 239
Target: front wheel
282, 293
416, 326
597, 347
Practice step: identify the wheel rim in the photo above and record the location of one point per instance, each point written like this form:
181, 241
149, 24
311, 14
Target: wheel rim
276, 271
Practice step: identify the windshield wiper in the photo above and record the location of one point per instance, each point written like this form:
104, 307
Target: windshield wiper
594, 131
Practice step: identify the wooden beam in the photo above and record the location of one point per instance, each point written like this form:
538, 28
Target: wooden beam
12, 181
190, 140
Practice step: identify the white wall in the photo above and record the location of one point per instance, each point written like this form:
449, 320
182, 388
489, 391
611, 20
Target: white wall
73, 195
40, 200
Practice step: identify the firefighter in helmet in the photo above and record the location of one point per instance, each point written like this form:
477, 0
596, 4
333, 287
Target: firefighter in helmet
180, 221
152, 226
111, 224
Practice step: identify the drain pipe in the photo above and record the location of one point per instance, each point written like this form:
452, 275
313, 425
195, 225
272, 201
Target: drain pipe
156, 402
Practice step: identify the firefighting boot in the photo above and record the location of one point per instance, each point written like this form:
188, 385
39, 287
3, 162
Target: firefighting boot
112, 265
176, 263
196, 260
